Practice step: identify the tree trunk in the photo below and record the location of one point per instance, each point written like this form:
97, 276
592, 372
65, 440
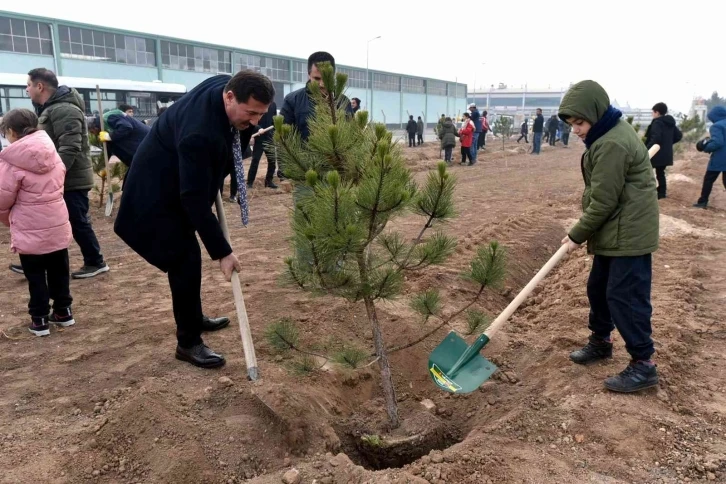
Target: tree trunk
389, 391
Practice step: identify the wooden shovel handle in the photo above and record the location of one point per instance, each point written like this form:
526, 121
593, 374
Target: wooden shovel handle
239, 302
509, 310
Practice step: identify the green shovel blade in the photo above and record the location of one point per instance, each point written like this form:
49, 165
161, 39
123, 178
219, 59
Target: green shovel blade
457, 367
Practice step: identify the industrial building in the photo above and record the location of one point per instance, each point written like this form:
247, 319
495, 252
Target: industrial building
148, 70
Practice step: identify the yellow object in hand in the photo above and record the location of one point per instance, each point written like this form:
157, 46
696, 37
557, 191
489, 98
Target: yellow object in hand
104, 136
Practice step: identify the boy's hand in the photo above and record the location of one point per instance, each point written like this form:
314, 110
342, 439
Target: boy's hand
571, 246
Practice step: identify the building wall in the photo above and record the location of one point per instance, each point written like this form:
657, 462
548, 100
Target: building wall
189, 79
21, 64
390, 103
108, 70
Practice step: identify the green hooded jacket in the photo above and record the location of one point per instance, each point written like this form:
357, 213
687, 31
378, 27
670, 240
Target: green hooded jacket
620, 204
63, 118
113, 112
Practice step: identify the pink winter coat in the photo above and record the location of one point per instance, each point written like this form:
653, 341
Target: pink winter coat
31, 196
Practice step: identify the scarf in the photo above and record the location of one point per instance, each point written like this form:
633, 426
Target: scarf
608, 121
239, 169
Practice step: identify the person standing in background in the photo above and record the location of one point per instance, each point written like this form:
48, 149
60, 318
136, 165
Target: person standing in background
537, 130
662, 131
419, 131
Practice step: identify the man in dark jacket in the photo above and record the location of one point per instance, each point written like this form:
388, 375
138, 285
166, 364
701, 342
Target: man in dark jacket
411, 128
262, 145
476, 119
523, 131
662, 131
61, 113
537, 129
716, 146
552, 126
123, 134
171, 187
298, 105
419, 131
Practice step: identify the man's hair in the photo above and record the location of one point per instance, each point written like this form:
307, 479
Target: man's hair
539, 109
661, 108
318, 57
47, 77
356, 100
410, 116
249, 83
126, 107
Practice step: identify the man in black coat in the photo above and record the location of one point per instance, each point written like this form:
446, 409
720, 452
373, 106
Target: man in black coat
537, 130
298, 105
262, 145
171, 187
411, 128
664, 132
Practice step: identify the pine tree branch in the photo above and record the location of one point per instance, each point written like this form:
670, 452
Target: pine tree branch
445, 322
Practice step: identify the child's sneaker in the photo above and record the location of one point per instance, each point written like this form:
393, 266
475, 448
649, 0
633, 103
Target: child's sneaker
62, 317
39, 326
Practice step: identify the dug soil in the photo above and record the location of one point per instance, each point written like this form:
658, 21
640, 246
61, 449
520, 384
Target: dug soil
105, 400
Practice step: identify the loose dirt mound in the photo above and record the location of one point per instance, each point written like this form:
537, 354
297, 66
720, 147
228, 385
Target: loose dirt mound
105, 401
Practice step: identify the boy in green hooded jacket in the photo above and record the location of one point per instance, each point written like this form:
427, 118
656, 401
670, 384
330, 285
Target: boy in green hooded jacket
620, 225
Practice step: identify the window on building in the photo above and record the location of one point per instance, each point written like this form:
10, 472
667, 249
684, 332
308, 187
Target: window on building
248, 62
109, 100
187, 57
276, 69
413, 85
299, 71
437, 88
502, 101
455, 90
14, 97
356, 78
25, 36
541, 101
94, 45
385, 82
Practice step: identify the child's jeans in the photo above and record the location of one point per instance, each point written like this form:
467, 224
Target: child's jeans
619, 294
48, 278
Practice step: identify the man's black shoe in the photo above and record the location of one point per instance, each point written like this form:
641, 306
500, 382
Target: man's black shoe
199, 355
596, 349
638, 375
270, 184
214, 324
17, 268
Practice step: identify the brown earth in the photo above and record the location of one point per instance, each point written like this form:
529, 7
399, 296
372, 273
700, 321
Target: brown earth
105, 401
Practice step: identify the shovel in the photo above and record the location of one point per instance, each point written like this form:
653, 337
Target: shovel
109, 200
457, 367
239, 302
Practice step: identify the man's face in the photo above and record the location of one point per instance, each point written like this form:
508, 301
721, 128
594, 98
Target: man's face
539, 112
129, 112
354, 103
471, 108
580, 127
36, 91
317, 77
242, 115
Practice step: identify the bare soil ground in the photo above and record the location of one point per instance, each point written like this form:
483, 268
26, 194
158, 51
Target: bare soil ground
105, 400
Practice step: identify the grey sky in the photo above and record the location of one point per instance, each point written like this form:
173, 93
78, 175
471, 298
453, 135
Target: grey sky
641, 51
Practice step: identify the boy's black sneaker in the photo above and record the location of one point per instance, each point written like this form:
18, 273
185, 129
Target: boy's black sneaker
703, 205
596, 349
87, 272
62, 317
39, 326
638, 375
17, 268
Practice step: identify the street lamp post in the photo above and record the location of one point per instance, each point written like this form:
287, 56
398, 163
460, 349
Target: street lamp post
368, 75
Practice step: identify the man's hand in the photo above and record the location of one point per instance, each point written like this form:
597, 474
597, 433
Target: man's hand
229, 264
570, 244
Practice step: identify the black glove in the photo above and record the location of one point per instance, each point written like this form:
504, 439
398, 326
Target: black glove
701, 144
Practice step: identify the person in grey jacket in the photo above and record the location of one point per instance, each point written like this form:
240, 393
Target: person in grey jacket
419, 131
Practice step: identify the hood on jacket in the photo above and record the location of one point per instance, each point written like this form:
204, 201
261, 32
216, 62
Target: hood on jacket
65, 94
668, 120
108, 114
448, 124
717, 114
34, 153
585, 100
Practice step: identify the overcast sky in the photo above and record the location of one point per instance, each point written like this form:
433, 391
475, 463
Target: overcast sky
641, 51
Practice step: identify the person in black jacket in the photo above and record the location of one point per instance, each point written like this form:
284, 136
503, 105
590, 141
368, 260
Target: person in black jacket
171, 187
537, 129
298, 105
552, 126
124, 134
262, 145
664, 132
411, 129
523, 132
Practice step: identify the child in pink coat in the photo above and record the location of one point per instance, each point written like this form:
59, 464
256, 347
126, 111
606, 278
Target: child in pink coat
31, 204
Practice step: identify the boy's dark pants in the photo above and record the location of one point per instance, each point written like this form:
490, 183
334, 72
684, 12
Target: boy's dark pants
48, 278
619, 294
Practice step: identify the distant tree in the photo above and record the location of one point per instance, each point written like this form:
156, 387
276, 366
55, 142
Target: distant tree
636, 127
693, 129
714, 101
